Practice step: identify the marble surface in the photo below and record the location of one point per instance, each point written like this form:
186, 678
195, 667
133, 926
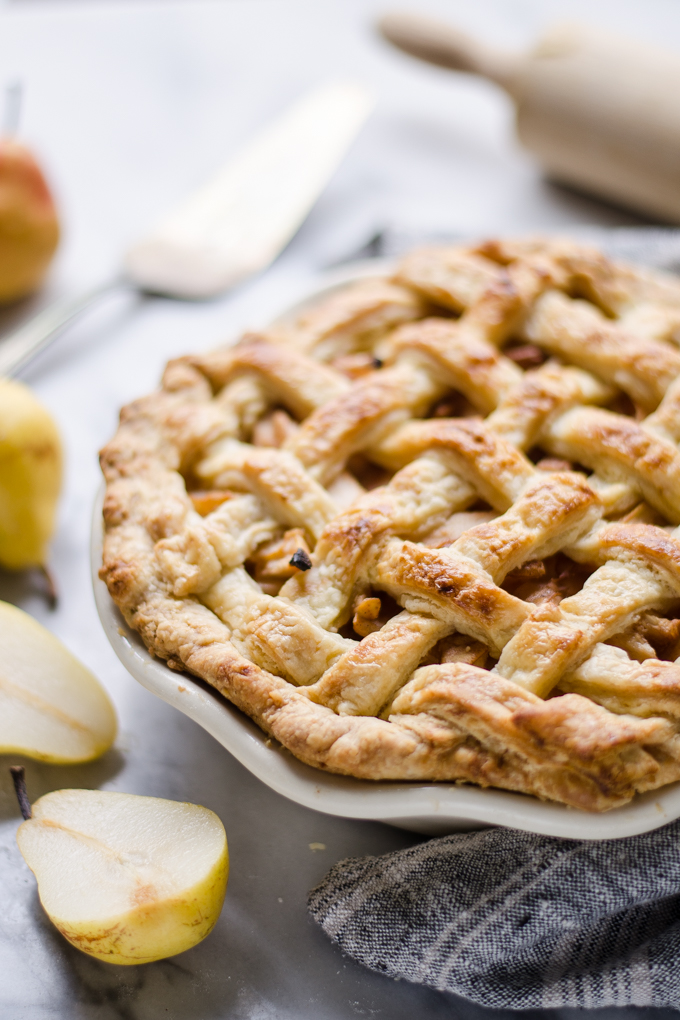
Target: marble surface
130, 105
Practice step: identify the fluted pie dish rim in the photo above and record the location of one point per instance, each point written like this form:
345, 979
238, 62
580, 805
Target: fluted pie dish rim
433, 809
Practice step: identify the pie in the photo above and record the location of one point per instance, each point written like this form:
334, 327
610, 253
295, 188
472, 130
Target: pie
426, 530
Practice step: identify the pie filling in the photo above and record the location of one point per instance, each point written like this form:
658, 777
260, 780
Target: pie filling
429, 529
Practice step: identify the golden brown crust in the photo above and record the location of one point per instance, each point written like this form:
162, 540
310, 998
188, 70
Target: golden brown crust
304, 459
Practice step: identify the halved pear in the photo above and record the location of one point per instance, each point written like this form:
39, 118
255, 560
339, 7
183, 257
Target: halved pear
51, 707
127, 879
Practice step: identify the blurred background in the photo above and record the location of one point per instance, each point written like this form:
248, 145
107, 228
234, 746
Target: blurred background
132, 103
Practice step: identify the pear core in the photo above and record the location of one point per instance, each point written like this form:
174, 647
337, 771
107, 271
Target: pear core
125, 878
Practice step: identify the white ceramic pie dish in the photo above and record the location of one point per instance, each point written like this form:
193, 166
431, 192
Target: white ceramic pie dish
431, 808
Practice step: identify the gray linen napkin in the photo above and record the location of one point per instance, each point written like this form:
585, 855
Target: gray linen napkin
510, 919
658, 247
513, 920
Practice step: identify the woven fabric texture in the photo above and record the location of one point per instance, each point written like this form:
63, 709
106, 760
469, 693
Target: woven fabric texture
656, 247
513, 920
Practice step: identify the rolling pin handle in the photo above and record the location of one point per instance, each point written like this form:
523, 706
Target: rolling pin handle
440, 44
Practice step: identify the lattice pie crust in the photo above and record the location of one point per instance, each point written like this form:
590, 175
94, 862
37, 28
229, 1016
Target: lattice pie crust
428, 531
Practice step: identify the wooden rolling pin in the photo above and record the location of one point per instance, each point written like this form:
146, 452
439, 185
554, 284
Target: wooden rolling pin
600, 112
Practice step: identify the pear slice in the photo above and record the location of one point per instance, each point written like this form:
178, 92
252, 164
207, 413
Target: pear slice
51, 707
126, 879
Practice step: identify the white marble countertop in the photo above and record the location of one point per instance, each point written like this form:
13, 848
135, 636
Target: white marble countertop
130, 104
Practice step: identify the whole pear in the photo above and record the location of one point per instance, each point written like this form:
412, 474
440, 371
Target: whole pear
30, 476
29, 226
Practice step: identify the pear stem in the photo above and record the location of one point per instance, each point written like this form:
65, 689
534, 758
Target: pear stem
50, 587
19, 779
